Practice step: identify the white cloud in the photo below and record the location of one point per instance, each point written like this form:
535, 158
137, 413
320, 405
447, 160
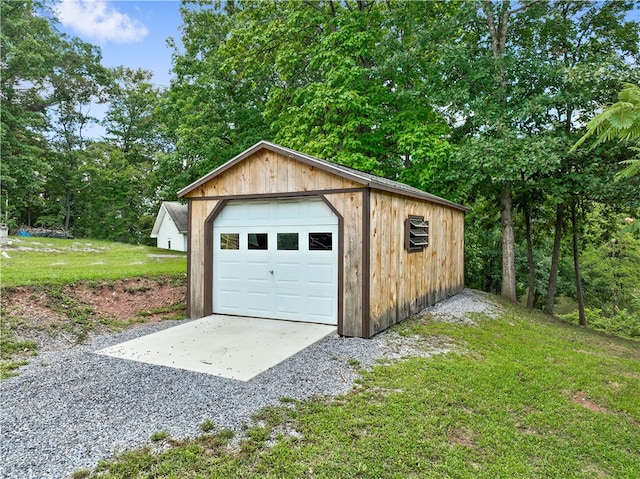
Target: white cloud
98, 20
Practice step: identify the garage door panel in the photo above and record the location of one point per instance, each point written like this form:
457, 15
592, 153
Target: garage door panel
287, 273
230, 300
288, 303
321, 274
258, 271
229, 270
257, 301
320, 307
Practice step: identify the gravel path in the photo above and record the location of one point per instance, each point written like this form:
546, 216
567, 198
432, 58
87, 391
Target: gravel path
70, 408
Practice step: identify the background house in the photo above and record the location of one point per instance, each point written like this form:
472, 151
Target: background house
170, 227
275, 233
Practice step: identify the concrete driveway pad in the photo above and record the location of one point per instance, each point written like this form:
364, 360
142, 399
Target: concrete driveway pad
232, 347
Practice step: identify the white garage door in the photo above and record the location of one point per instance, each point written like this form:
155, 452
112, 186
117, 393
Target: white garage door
276, 259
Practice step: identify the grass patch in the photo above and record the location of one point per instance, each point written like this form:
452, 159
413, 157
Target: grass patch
12, 350
207, 426
37, 261
178, 309
159, 436
8, 367
525, 397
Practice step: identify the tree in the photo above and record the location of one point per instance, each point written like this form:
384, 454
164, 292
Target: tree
210, 112
118, 182
25, 64
78, 80
529, 74
325, 77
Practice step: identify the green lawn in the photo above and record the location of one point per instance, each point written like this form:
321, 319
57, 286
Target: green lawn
36, 261
524, 397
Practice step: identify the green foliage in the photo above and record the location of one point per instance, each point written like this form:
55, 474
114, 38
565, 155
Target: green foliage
159, 436
622, 323
12, 350
26, 60
207, 426
619, 121
612, 275
327, 78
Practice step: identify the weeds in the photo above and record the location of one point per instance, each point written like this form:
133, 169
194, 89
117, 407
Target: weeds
207, 426
159, 436
12, 350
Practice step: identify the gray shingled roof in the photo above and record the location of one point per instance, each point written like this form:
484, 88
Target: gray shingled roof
366, 179
179, 214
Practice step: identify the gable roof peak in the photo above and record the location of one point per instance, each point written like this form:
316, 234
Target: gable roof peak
365, 179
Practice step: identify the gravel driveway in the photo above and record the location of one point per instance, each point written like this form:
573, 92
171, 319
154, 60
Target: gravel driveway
70, 408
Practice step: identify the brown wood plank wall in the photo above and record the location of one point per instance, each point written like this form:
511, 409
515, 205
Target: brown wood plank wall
403, 283
349, 205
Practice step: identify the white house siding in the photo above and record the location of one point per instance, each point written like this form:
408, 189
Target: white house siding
169, 237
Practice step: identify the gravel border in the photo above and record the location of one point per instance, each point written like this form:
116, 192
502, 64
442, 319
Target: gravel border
70, 408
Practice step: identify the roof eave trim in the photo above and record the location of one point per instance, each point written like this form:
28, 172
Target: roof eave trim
158, 222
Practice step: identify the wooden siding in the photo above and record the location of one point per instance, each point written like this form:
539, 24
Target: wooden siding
350, 207
403, 283
200, 211
267, 172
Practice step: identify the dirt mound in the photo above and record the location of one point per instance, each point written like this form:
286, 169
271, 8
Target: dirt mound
44, 314
125, 299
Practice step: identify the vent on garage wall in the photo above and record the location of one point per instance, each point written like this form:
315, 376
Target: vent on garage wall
416, 233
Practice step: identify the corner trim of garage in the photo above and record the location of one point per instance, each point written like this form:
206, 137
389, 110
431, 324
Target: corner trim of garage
189, 233
340, 262
290, 194
208, 257
366, 261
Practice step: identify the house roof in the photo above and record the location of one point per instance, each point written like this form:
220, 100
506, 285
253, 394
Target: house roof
178, 212
365, 179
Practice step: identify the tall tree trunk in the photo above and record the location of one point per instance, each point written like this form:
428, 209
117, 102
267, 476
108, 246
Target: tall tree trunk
555, 260
531, 294
67, 207
582, 319
508, 245
498, 26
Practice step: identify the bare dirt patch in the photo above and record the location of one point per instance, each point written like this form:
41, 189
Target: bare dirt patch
581, 397
461, 438
28, 306
58, 317
125, 299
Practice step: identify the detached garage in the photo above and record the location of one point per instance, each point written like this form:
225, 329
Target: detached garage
275, 233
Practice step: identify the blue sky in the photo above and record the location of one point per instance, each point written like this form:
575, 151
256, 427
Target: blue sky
129, 33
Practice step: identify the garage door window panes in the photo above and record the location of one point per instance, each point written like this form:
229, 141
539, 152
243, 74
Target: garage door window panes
258, 241
229, 241
287, 241
320, 242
